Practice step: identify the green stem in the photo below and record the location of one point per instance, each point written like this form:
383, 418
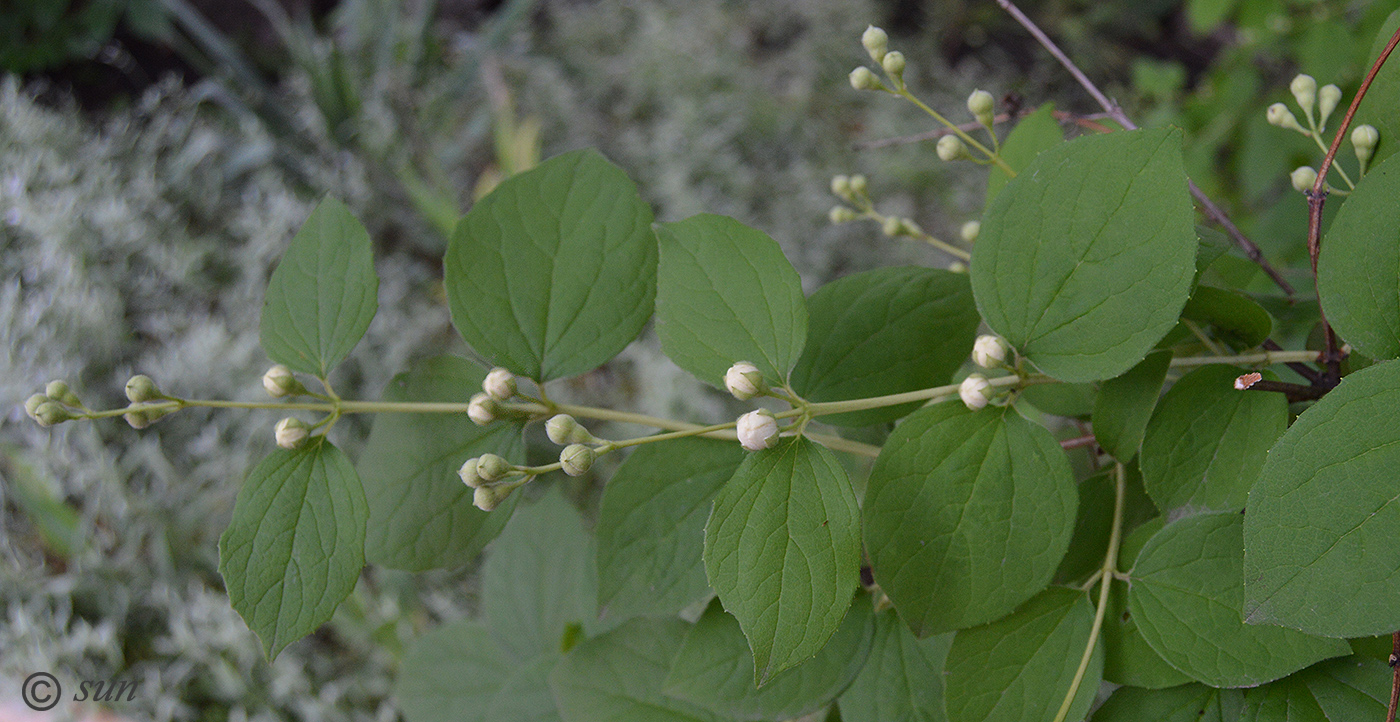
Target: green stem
875, 402
1264, 358
1317, 138
993, 157
1110, 567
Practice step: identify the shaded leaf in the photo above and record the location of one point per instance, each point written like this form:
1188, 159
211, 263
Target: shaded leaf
456, 673
1232, 317
1034, 133
1358, 269
1187, 703
902, 680
1125, 404
1127, 657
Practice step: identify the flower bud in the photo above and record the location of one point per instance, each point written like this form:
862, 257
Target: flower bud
957, 267
51, 412
1363, 140
981, 105
59, 391
989, 351
757, 430
487, 498
892, 226
141, 388
279, 382
894, 63
859, 185
1279, 115
32, 404
499, 384
1304, 89
951, 148
577, 459
970, 231
138, 419
563, 429
491, 468
1303, 178
469, 475
841, 214
876, 41
863, 79
291, 433
975, 391
1328, 96
841, 186
744, 381
482, 409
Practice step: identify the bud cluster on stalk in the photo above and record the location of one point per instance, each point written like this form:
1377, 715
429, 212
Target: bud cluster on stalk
492, 479
55, 405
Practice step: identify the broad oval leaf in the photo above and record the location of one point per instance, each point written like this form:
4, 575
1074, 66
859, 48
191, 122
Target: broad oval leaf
1338, 690
715, 669
902, 680
1021, 667
651, 526
1232, 317
1186, 598
1124, 406
782, 549
554, 271
1034, 133
1358, 269
726, 293
1322, 523
1186, 703
617, 677
1087, 256
456, 673
296, 543
323, 293
883, 332
1207, 441
420, 513
967, 515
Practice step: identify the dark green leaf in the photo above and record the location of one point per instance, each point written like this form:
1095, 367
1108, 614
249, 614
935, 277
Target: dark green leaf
1094, 523
1378, 107
554, 272
1125, 404
1036, 132
883, 332
1087, 257
1350, 688
902, 680
967, 515
1187, 703
1213, 245
323, 294
1232, 317
651, 527
1127, 658
296, 543
1322, 523
782, 548
1358, 271
726, 293
1069, 400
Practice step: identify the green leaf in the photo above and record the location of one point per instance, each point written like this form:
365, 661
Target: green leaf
1187, 703
1358, 270
1233, 317
420, 513
1094, 522
1338, 690
651, 527
1378, 107
967, 515
539, 578
782, 548
554, 271
1087, 257
1322, 521
455, 673
714, 668
1207, 441
1071, 401
883, 332
323, 293
726, 293
1036, 132
526, 696
902, 680
1213, 245
1186, 598
1125, 404
617, 677
1127, 658
1020, 667
295, 545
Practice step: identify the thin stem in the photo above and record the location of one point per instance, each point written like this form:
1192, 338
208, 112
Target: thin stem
955, 130
876, 402
1202, 337
1262, 358
1110, 567
1394, 676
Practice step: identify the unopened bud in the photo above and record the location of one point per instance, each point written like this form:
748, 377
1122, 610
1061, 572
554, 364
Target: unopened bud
951, 148
1328, 96
757, 430
59, 391
863, 79
1304, 89
892, 226
1303, 178
487, 498
893, 63
975, 391
469, 475
989, 351
51, 412
1279, 115
491, 467
563, 429
970, 231
499, 384
138, 419
291, 433
482, 409
841, 186
957, 267
141, 388
981, 105
859, 185
279, 382
744, 381
841, 214
876, 41
1364, 139
577, 459
32, 404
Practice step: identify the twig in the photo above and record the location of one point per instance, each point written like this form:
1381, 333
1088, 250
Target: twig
1078, 441
1208, 206
1395, 676
1295, 392
1312, 376
1085, 121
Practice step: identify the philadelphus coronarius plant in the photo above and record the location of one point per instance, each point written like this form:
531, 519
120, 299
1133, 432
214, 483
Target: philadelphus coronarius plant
975, 391
757, 430
744, 381
989, 352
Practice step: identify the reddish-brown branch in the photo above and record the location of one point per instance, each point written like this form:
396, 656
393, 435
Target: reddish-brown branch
1394, 676
1078, 442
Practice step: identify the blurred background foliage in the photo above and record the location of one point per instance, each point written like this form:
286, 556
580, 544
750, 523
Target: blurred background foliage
156, 156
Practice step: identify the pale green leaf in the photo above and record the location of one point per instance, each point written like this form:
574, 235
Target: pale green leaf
1358, 270
1034, 133
526, 696
456, 673
1186, 703
1125, 404
902, 680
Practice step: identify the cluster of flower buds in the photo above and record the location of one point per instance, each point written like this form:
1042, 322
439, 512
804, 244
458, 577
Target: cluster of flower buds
1316, 103
498, 386
279, 382
577, 457
140, 389
989, 352
291, 433
744, 381
55, 405
976, 391
491, 479
757, 430
876, 42
853, 189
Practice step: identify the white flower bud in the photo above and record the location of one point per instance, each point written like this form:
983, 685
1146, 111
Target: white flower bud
981, 105
291, 433
1364, 139
1279, 115
50, 413
59, 391
757, 430
894, 63
876, 41
279, 382
892, 226
859, 185
841, 214
577, 459
975, 391
1304, 89
499, 384
487, 498
561, 428
469, 475
863, 79
989, 351
138, 419
970, 231
491, 467
32, 404
141, 388
957, 267
1303, 178
841, 186
1328, 96
482, 409
744, 381
951, 148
